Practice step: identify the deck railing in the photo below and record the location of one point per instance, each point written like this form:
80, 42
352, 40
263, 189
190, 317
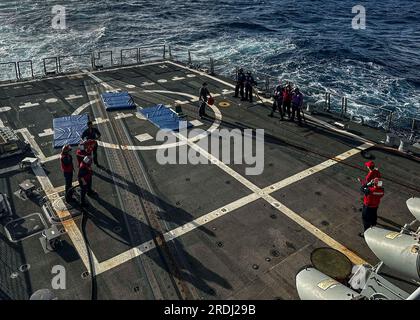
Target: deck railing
338, 105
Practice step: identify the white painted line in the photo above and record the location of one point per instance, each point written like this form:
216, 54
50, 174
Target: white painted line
218, 213
191, 75
73, 97
147, 83
99, 120
83, 107
196, 123
144, 137
99, 81
314, 230
63, 187
5, 109
260, 194
178, 78
91, 93
31, 140
130, 86
123, 116
319, 167
29, 105
77, 76
52, 158
47, 132
201, 74
162, 81
124, 257
140, 116
69, 225
108, 145
51, 100
219, 163
181, 103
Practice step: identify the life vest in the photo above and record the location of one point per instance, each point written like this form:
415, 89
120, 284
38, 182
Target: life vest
287, 95
249, 81
66, 168
373, 199
90, 145
372, 175
80, 154
85, 171
241, 78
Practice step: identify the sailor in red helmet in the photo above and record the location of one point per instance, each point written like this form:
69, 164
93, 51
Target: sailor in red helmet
373, 193
373, 172
66, 161
85, 180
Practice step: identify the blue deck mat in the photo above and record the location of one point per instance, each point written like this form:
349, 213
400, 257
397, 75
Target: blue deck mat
68, 130
117, 101
162, 117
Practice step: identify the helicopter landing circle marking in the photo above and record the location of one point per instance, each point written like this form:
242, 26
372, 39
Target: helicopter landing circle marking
213, 127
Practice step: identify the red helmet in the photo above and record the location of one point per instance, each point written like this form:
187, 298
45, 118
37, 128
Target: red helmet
210, 101
370, 164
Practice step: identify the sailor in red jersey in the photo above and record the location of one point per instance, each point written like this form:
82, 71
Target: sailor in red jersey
373, 193
81, 153
85, 180
287, 100
66, 161
373, 172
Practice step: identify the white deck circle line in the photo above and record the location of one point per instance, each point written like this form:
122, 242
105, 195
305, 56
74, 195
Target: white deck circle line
83, 106
213, 127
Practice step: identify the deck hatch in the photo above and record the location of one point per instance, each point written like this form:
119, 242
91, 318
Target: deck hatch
23, 228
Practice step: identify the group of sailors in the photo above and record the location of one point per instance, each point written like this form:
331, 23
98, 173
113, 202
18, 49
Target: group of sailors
85, 155
244, 85
288, 100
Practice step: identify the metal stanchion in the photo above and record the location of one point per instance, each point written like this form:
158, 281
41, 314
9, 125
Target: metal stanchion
211, 66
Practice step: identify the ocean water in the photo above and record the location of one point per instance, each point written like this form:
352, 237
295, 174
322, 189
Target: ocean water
309, 42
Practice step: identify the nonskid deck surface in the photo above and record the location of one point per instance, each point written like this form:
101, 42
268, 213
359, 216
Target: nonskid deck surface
203, 231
